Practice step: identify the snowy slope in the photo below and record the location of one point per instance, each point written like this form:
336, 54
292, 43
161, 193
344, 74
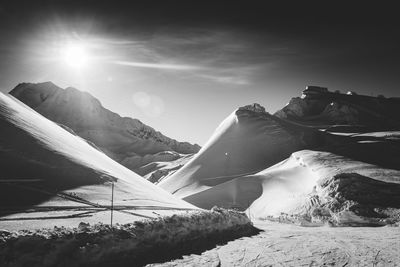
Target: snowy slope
44, 164
247, 141
311, 185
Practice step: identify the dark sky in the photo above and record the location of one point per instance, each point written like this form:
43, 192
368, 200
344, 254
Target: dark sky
182, 66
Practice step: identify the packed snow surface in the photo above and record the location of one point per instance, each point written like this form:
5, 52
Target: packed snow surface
292, 245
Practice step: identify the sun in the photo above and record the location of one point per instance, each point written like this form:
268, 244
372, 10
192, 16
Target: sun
75, 56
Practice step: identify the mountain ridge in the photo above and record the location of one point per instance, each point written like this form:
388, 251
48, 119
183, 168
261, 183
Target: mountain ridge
125, 139
317, 105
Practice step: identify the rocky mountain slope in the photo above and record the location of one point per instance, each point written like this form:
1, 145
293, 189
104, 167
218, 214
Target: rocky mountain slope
126, 140
319, 107
56, 175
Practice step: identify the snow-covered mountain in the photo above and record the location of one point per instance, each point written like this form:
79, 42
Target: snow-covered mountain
247, 141
299, 164
45, 168
126, 140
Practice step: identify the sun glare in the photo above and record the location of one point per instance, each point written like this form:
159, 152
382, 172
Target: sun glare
75, 56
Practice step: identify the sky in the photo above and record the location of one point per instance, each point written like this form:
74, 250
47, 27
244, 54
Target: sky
181, 67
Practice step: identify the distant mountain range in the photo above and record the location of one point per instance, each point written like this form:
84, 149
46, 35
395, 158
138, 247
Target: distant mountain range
326, 157
126, 140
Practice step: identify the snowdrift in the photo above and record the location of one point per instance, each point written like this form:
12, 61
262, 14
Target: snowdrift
313, 187
45, 165
271, 191
132, 244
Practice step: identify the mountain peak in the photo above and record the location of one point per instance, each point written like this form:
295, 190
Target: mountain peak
24, 85
254, 107
34, 94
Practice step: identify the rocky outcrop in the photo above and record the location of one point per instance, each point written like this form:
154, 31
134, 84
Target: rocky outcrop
341, 113
297, 107
157, 175
255, 108
124, 139
312, 89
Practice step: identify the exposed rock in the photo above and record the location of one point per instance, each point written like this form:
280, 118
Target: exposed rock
255, 108
297, 107
341, 113
158, 174
315, 89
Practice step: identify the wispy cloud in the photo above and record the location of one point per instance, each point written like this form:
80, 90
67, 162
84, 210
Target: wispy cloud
156, 65
213, 56
234, 80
